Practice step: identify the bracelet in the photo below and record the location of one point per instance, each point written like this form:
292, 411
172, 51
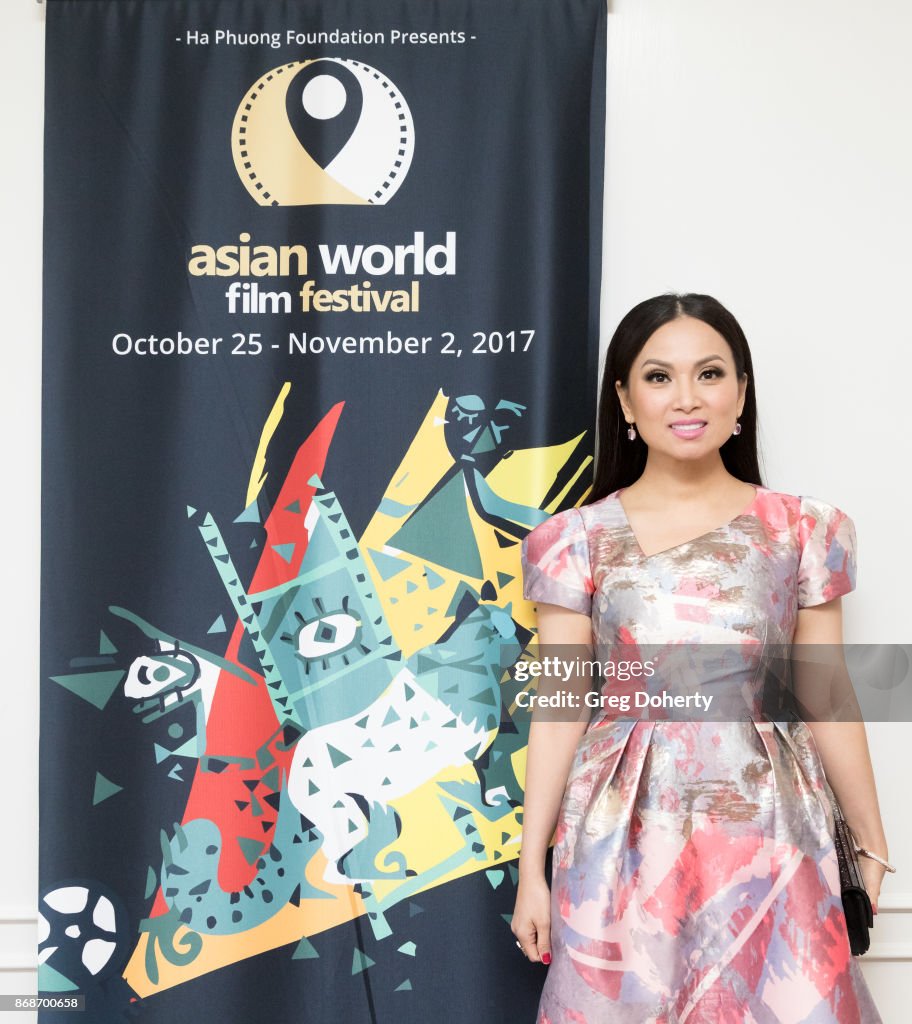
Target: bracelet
873, 856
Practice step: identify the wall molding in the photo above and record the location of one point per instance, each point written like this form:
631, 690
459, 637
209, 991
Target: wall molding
895, 903
897, 951
18, 933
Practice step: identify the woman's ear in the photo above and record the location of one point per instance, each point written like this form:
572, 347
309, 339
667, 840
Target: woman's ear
742, 391
622, 397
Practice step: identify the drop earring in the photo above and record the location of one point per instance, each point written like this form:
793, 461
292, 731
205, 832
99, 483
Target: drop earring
737, 429
631, 433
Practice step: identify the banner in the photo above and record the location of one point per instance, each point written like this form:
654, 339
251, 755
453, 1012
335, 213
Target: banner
320, 348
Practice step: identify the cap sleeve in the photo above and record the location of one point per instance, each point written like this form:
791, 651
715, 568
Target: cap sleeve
826, 569
555, 562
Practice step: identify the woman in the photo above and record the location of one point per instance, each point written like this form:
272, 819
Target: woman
694, 876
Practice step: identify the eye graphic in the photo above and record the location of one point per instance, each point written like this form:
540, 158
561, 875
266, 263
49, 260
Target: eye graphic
165, 672
330, 633
168, 671
468, 416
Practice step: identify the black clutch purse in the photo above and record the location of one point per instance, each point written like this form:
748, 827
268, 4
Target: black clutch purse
856, 903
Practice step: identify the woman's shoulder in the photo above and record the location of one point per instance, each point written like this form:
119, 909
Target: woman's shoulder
799, 502
800, 512
579, 517
601, 511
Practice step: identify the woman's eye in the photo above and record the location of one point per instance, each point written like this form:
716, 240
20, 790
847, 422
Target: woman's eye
715, 370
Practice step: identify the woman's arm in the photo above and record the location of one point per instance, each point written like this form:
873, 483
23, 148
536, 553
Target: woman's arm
823, 685
552, 745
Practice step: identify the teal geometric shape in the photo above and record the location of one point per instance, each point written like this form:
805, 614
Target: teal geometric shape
391, 716
406, 986
336, 756
414, 909
394, 509
253, 543
175, 772
175, 730
188, 749
250, 848
160, 753
442, 532
104, 645
360, 962
191, 511
285, 551
251, 514
94, 687
483, 697
410, 587
50, 980
151, 882
103, 789
305, 950
503, 578
218, 626
434, 579
387, 565
513, 511
295, 506
408, 948
495, 878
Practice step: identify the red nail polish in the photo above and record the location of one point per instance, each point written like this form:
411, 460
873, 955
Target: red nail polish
546, 959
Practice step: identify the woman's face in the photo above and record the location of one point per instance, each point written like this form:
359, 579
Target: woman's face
684, 374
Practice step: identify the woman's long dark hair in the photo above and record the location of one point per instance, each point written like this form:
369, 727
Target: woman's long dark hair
620, 461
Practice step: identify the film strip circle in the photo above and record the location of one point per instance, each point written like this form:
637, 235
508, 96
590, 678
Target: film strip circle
289, 153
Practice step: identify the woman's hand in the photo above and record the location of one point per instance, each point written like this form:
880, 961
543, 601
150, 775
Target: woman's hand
872, 873
531, 922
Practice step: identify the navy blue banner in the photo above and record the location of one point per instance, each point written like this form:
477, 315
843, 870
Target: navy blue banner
320, 348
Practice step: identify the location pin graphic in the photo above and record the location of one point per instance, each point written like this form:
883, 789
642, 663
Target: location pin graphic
324, 103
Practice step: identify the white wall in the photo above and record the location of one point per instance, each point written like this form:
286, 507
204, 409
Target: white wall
22, 71
758, 152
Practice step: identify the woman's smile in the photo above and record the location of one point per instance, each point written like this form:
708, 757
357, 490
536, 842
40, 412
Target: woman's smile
689, 429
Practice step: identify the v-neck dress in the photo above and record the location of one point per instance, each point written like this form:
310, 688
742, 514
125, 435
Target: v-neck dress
694, 877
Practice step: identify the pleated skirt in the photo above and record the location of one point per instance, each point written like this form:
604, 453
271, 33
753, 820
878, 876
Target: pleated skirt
695, 880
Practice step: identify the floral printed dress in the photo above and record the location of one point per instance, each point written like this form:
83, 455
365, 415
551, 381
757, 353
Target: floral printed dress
694, 875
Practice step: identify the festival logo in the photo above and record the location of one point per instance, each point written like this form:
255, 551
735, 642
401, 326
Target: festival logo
323, 131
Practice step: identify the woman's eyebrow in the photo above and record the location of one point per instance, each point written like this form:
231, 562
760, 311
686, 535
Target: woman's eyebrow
699, 362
